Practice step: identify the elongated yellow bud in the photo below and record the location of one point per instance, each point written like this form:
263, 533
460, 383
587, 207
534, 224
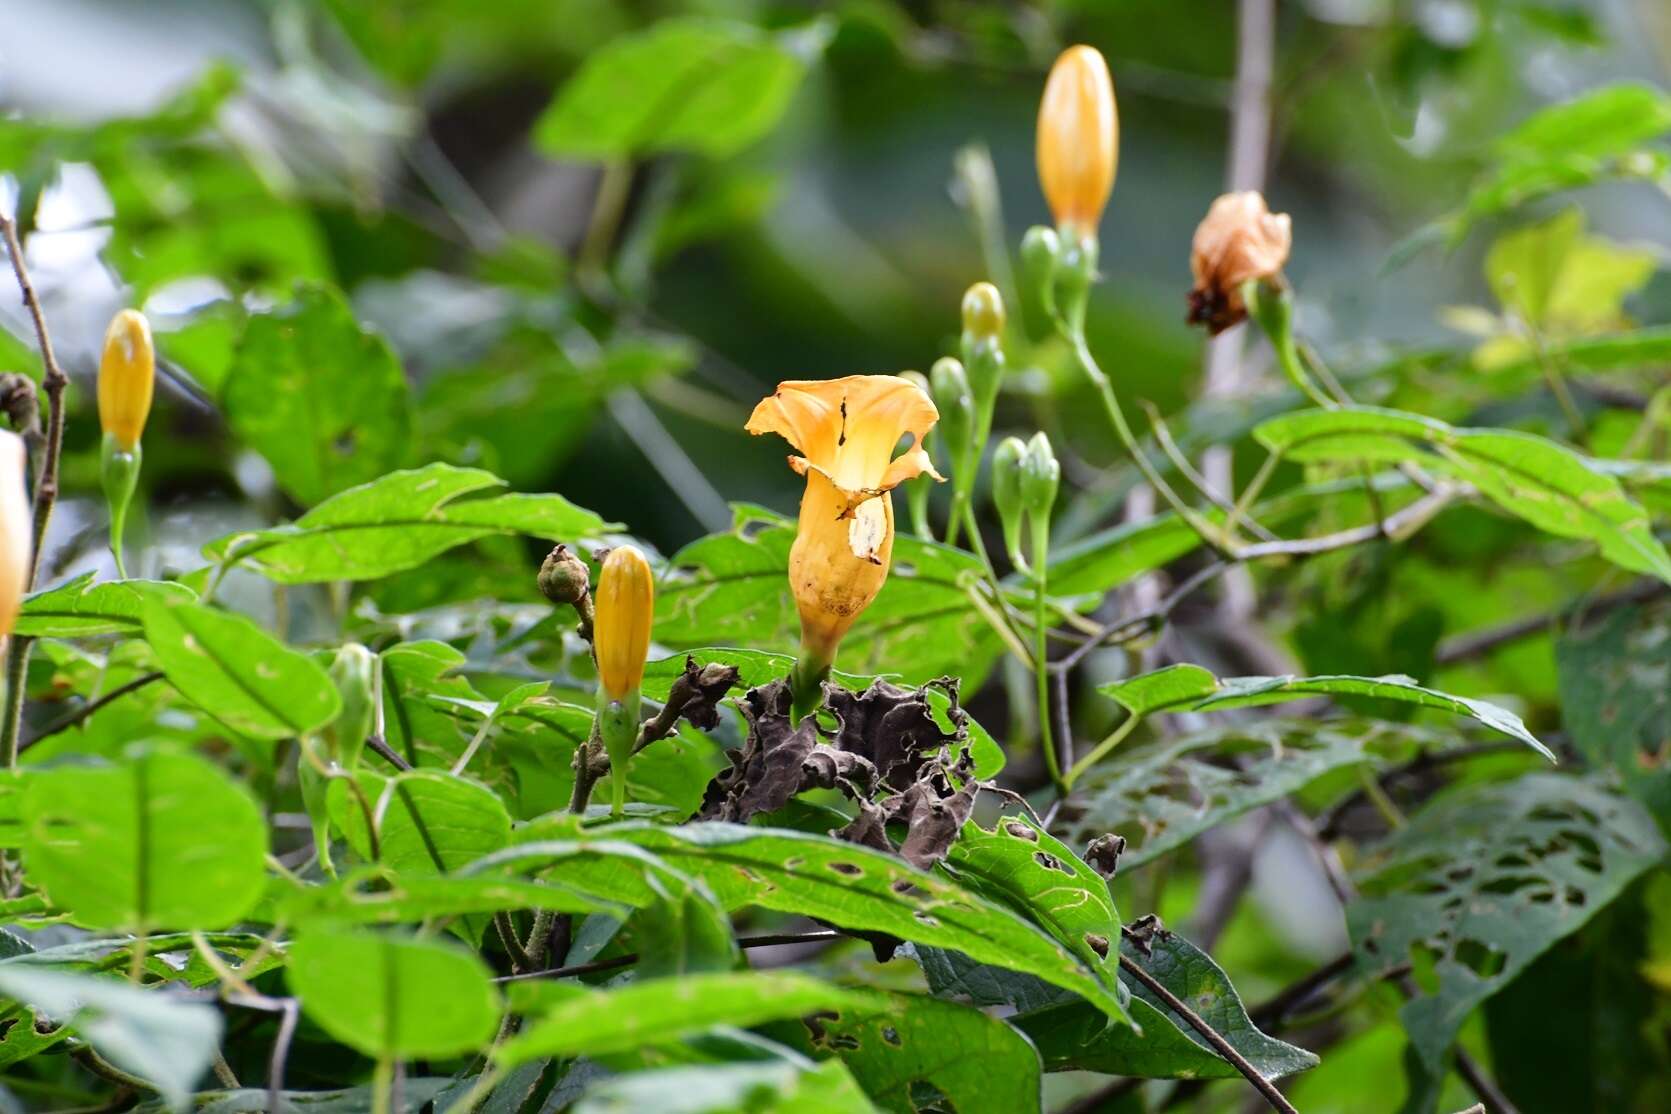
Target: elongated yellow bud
16, 530
127, 374
626, 600
1078, 139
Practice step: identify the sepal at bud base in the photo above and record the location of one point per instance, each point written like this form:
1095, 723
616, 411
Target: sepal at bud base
1041, 475
1007, 462
917, 490
354, 673
1041, 250
949, 388
119, 474
618, 728
315, 784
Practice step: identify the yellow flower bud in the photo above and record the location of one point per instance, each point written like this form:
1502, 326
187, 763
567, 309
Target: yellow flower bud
127, 372
626, 601
1239, 239
846, 430
1078, 139
16, 530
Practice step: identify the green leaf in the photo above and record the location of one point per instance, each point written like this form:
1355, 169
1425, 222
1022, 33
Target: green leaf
699, 85
1542, 482
238, 673
1162, 796
1621, 351
759, 667
170, 956
734, 588
683, 932
165, 1041
1615, 678
903, 1041
393, 996
416, 1093
1483, 881
1071, 1036
842, 883
1189, 688
659, 1011
125, 846
80, 608
371, 896
398, 522
1558, 279
324, 401
770, 1087
432, 822
1025, 867
1607, 121
417, 676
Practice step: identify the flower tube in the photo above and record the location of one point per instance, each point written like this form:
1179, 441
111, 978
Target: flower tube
626, 600
127, 377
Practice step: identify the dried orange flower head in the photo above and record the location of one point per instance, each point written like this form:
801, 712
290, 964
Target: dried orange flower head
1240, 239
1078, 139
16, 530
846, 431
626, 605
127, 373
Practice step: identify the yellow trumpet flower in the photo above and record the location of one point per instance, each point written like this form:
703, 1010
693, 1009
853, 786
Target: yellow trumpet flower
16, 530
621, 633
127, 375
1078, 139
846, 431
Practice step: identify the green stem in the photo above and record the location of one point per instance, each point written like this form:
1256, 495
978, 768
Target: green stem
1041, 655
1101, 750
17, 673
1390, 812
382, 1084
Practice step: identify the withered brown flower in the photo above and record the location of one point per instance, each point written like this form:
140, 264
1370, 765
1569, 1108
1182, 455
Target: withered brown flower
1239, 239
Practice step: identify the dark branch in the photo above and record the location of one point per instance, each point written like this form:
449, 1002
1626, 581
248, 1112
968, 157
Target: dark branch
70, 719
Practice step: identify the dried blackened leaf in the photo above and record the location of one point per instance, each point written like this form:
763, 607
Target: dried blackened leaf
1103, 854
932, 821
698, 691
894, 727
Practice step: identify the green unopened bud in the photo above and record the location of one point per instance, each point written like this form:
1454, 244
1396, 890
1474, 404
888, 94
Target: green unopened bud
983, 312
1041, 249
354, 673
1076, 270
949, 387
917, 490
1007, 462
1040, 476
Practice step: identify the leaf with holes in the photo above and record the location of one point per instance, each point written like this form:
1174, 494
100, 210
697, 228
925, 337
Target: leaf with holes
323, 400
1189, 688
1541, 481
430, 821
734, 588
903, 1042
702, 85
237, 672
397, 522
660, 1011
842, 883
1025, 867
763, 1087
371, 896
1483, 881
80, 608
123, 846
1615, 674
1162, 796
393, 996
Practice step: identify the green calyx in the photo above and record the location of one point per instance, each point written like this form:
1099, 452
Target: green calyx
618, 728
1007, 463
119, 473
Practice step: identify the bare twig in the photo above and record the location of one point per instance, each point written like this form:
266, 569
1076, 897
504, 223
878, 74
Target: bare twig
1223, 1047
387, 753
1491, 1096
628, 960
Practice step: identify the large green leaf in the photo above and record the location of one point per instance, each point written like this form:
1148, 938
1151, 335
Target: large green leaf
1070, 1035
371, 896
902, 1042
1189, 688
398, 522
1542, 482
324, 401
161, 841
1025, 867
167, 1042
415, 1094
1615, 675
698, 85
430, 821
838, 882
393, 996
658, 1011
734, 588
238, 673
80, 608
1483, 881
1162, 796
